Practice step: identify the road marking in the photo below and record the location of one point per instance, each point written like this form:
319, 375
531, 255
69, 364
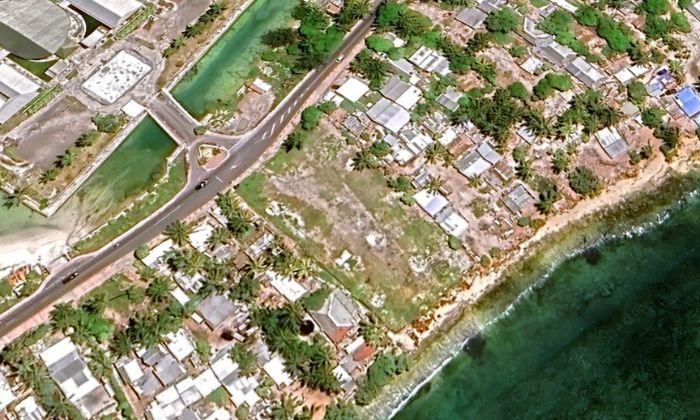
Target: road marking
273, 128
219, 179
233, 166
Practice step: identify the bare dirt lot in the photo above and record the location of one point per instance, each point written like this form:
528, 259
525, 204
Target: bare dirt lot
400, 259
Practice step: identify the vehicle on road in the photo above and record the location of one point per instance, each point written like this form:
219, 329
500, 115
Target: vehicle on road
340, 58
202, 184
71, 277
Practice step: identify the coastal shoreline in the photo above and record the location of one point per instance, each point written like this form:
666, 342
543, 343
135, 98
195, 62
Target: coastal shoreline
564, 234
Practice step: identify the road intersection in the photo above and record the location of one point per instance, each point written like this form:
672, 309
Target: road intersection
243, 152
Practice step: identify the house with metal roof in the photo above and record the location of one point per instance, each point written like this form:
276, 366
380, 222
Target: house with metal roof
217, 309
689, 101
402, 67
140, 378
430, 60
555, 53
518, 199
472, 17
431, 202
533, 34
404, 94
7, 395
33, 29
450, 98
353, 89
389, 115
338, 315
587, 73
16, 91
452, 222
612, 142
75, 380
111, 13
478, 161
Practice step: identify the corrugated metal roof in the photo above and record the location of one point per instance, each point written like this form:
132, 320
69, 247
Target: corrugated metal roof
32, 29
109, 12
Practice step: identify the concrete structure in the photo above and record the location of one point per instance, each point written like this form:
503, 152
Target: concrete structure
16, 91
7, 396
119, 75
338, 315
389, 115
29, 409
452, 222
33, 29
111, 13
555, 53
75, 380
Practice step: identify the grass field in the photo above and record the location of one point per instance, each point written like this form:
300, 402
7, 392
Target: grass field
401, 260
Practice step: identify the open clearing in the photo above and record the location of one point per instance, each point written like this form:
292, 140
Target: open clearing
401, 262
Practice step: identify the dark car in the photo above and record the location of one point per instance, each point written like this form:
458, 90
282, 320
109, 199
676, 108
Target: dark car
202, 184
71, 277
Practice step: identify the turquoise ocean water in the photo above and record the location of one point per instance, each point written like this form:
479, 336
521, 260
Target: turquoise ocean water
611, 332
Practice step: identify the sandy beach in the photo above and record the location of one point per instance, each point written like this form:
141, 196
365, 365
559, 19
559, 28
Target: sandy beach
441, 320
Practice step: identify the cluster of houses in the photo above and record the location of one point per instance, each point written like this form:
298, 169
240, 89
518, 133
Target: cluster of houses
172, 381
389, 112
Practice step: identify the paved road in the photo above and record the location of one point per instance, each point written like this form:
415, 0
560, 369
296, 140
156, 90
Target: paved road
243, 154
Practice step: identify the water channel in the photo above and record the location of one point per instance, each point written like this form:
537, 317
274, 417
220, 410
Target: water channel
226, 66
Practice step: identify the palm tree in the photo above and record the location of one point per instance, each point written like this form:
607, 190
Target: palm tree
371, 333
15, 198
95, 304
218, 236
132, 293
48, 175
60, 408
433, 152
435, 183
65, 159
364, 159
303, 268
244, 358
539, 125
121, 344
62, 316
524, 170
284, 409
677, 70
179, 231
257, 266
158, 289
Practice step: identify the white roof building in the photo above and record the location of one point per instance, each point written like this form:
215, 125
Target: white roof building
353, 89
7, 396
179, 344
389, 115
612, 142
29, 409
431, 61
157, 253
111, 13
16, 91
404, 94
75, 379
431, 202
199, 236
287, 286
589, 74
452, 222
275, 369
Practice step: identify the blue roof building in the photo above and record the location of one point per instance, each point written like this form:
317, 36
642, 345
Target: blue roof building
689, 101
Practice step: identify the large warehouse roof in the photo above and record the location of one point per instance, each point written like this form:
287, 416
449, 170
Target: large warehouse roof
110, 12
32, 29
